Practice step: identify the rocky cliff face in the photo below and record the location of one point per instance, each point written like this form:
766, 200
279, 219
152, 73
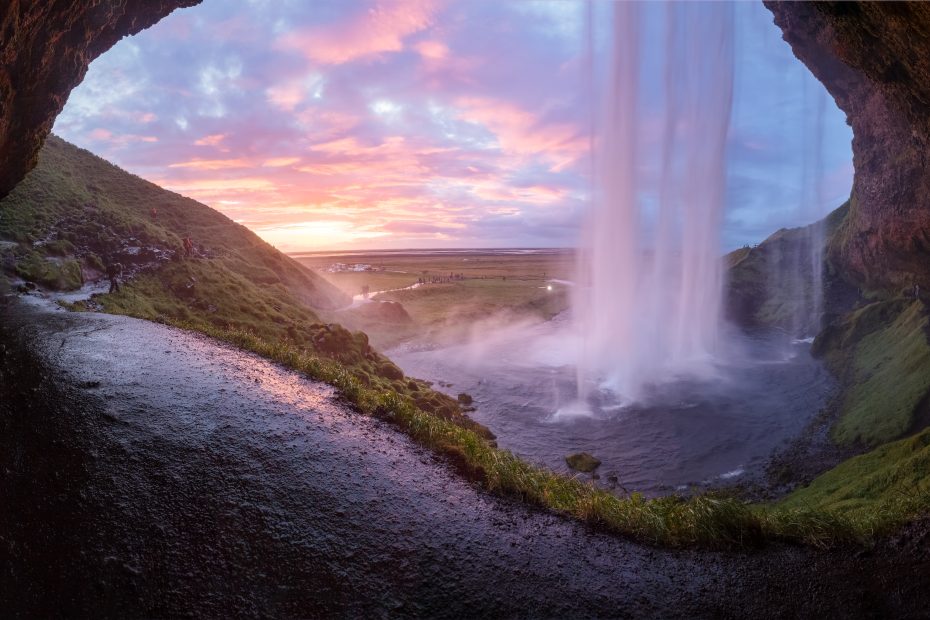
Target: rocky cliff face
45, 48
874, 58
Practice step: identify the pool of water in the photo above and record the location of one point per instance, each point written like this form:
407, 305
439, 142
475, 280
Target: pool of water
681, 431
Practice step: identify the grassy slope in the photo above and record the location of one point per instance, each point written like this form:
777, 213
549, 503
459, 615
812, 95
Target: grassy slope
69, 180
891, 376
882, 487
240, 283
881, 353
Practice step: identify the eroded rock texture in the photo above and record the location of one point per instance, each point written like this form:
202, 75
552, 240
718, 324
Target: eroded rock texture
874, 58
45, 48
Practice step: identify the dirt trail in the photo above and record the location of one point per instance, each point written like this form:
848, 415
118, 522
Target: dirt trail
146, 471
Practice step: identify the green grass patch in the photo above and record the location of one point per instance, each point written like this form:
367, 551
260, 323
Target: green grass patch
877, 491
56, 274
892, 375
881, 353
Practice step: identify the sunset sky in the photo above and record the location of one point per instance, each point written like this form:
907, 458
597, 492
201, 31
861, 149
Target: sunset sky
420, 123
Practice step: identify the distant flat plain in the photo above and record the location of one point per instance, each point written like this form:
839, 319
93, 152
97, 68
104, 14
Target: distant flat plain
463, 287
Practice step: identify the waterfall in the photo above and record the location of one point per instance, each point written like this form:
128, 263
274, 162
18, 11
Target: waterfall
821, 209
795, 257
649, 300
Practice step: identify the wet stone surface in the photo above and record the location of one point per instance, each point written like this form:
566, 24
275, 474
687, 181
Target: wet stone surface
150, 472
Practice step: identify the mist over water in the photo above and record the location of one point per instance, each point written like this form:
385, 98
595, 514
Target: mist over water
648, 302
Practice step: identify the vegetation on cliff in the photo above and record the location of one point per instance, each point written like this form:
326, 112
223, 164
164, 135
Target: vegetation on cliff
881, 354
877, 343
773, 283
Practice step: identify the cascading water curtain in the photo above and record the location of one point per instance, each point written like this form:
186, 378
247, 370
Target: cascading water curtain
649, 296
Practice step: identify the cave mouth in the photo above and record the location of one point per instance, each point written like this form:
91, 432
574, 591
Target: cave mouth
211, 166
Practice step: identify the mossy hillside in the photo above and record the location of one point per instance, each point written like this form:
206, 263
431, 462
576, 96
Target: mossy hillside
882, 355
49, 272
772, 284
75, 196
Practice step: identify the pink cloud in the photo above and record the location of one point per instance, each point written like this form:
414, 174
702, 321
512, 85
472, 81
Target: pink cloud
432, 50
211, 140
381, 29
105, 135
211, 164
280, 162
522, 132
289, 94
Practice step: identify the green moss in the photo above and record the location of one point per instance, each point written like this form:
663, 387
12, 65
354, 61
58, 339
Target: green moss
56, 274
879, 489
882, 356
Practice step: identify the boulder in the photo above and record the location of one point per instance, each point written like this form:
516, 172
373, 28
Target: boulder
583, 462
383, 312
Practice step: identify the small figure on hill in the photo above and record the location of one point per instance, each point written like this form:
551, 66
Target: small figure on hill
114, 271
916, 291
154, 214
188, 247
365, 291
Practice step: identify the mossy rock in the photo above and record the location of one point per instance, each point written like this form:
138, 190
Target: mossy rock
465, 399
56, 275
390, 371
582, 462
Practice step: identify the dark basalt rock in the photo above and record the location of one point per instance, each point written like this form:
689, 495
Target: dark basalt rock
45, 48
582, 462
874, 58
